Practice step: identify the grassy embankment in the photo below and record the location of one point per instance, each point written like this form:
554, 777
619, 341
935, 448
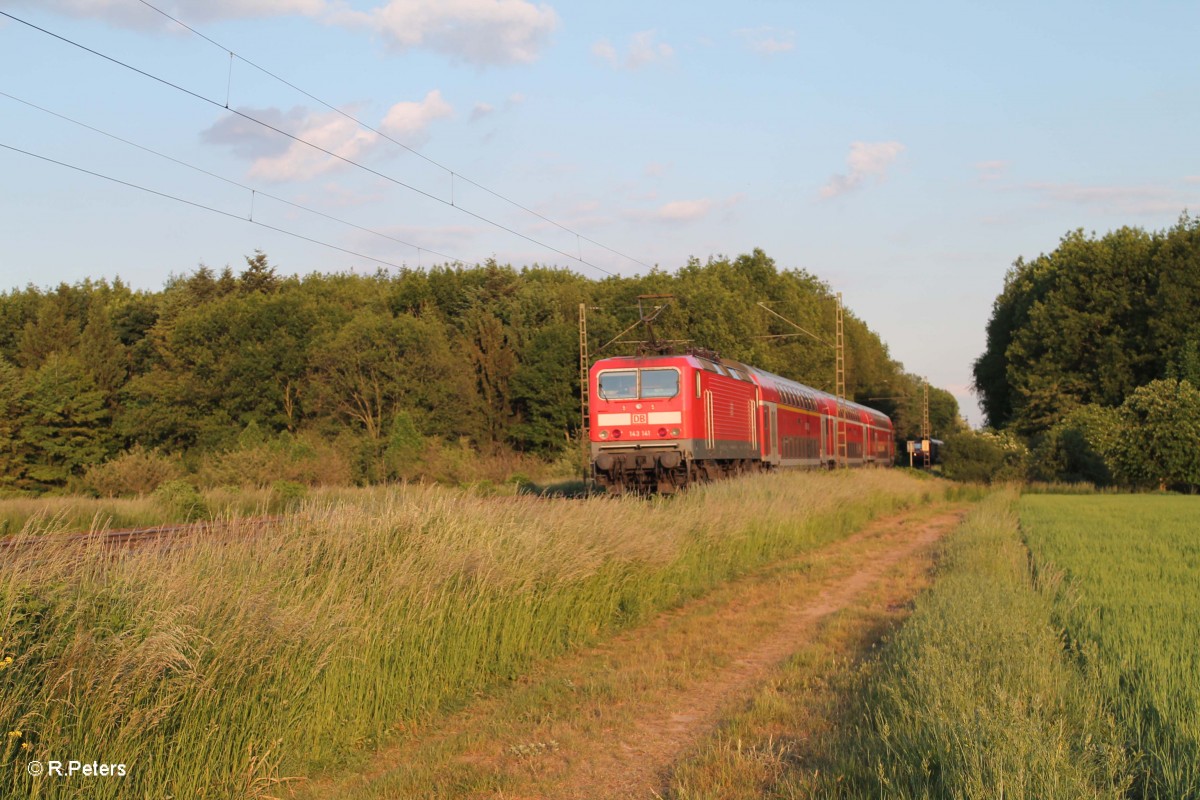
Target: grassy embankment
974, 697
1131, 607
216, 669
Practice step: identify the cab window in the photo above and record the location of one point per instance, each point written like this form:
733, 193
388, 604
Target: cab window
618, 385
659, 383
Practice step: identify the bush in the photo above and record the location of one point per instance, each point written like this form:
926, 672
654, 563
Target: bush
983, 457
286, 495
181, 501
259, 462
137, 471
1160, 426
1074, 450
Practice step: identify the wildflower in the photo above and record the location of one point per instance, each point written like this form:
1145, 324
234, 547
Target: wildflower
26, 746
14, 734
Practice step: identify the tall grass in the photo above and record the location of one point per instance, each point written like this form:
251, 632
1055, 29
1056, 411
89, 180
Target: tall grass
1131, 606
217, 668
973, 697
73, 513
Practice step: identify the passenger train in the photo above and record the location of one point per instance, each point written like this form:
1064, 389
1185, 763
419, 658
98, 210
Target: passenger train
660, 423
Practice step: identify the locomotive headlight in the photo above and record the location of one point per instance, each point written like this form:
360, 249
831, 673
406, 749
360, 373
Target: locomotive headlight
674, 431
662, 432
603, 434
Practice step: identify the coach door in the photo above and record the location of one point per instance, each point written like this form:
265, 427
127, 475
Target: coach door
770, 432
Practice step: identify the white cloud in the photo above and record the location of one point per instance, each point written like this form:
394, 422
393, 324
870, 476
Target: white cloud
605, 51
684, 210
481, 110
678, 211
447, 238
1114, 199
135, 15
990, 171
408, 122
248, 139
336, 194
331, 132
277, 158
655, 170
1192, 179
641, 51
481, 32
866, 160
768, 41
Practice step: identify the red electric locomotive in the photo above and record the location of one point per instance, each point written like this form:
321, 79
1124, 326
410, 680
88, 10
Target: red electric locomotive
659, 423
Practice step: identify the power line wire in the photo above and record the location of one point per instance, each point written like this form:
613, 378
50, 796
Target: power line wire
305, 142
378, 132
201, 206
230, 181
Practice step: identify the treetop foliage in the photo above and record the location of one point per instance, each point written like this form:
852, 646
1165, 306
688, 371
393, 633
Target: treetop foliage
376, 365
1093, 357
1089, 323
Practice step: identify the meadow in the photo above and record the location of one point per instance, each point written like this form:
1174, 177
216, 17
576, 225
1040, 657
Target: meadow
1130, 605
1054, 656
227, 667
971, 697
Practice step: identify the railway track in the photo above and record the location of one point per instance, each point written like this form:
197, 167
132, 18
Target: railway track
162, 535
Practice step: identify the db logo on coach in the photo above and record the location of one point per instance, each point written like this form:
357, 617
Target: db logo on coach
640, 419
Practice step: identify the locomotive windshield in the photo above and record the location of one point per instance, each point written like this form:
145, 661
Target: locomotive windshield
648, 384
659, 383
618, 385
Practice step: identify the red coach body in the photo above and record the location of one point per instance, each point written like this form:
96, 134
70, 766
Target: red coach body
658, 423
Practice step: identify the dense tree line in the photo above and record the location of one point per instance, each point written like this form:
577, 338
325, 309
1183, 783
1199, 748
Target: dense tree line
1093, 358
375, 370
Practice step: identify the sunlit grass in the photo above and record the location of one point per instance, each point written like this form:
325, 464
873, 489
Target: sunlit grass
973, 697
215, 668
1131, 607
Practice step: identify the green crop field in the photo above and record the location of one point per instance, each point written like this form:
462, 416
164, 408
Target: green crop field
1130, 605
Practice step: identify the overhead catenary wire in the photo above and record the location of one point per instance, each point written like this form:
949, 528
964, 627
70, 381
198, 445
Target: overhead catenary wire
810, 334
303, 141
253, 191
201, 206
453, 174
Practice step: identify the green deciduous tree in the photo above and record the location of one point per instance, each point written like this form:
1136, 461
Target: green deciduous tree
1159, 441
1088, 323
544, 391
1077, 448
983, 457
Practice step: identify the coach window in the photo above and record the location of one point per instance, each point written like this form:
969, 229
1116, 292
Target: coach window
618, 385
659, 383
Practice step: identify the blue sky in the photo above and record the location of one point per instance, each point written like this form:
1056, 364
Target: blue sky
905, 153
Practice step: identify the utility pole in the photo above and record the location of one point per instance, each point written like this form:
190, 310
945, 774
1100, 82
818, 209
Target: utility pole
583, 380
926, 444
840, 443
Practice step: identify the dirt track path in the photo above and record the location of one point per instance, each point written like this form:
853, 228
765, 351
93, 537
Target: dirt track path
612, 721
637, 765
